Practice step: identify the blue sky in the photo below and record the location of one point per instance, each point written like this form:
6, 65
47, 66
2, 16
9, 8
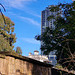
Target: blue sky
26, 14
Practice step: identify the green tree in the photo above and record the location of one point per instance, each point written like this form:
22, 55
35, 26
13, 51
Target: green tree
18, 50
6, 31
4, 45
62, 39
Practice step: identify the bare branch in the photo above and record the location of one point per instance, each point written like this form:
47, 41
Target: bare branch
3, 7
73, 61
69, 49
2, 13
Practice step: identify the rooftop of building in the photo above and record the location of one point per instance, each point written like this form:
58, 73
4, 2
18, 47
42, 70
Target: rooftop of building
36, 51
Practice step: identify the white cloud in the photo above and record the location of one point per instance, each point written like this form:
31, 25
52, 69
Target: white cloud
31, 40
34, 14
30, 20
20, 4
26, 19
16, 3
37, 15
11, 13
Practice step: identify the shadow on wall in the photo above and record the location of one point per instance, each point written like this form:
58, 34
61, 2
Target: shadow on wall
36, 70
40, 70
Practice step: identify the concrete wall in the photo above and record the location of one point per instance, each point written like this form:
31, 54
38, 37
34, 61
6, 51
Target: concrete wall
12, 65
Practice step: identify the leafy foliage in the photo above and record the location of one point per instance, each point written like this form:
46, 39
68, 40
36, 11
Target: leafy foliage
18, 50
4, 45
62, 39
6, 32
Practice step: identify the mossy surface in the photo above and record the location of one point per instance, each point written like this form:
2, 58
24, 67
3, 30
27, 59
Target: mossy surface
2, 56
24, 58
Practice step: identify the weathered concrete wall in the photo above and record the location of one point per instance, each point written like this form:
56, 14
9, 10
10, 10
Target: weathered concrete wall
13, 64
10, 65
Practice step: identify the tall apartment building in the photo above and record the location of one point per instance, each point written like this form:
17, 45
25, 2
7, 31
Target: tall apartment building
44, 22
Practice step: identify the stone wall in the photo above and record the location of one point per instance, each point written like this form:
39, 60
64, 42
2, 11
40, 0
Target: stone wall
18, 65
13, 64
